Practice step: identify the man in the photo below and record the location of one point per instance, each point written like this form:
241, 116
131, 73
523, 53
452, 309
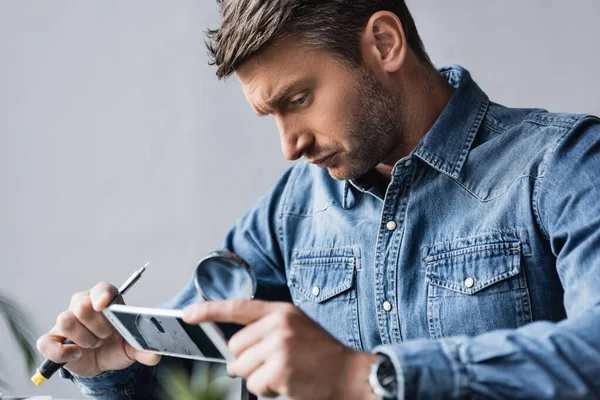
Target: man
441, 246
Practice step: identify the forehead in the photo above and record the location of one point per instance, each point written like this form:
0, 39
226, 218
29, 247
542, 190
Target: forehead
280, 65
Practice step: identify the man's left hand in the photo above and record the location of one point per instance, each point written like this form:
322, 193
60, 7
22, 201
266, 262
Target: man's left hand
281, 351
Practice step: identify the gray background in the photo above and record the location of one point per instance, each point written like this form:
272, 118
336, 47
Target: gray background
118, 145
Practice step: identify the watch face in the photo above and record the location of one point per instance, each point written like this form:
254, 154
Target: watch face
386, 376
383, 378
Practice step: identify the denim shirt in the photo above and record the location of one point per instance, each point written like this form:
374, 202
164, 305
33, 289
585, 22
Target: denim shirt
477, 272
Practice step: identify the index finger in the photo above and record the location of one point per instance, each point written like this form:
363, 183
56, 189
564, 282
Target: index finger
241, 312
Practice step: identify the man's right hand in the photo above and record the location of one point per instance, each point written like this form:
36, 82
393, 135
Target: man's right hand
98, 346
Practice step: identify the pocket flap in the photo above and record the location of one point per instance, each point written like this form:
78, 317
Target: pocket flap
319, 283
471, 269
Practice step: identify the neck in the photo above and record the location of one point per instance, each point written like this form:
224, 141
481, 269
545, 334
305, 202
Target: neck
428, 93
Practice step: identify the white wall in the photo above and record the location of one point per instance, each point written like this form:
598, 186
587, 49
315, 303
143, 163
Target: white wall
118, 145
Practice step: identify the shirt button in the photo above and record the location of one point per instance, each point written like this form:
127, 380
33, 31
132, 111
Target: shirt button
387, 306
316, 291
469, 282
407, 164
391, 226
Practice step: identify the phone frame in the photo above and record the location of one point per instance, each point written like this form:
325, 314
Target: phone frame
209, 328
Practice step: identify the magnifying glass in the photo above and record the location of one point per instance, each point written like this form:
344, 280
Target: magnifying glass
223, 275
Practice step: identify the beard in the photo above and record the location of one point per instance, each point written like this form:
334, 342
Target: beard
374, 129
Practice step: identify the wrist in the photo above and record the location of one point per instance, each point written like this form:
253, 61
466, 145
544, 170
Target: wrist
354, 379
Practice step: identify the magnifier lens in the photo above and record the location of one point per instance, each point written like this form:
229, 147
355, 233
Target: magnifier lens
224, 276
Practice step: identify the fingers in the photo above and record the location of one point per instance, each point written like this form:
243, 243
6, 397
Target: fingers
102, 294
147, 358
51, 347
253, 334
258, 382
140, 356
241, 312
247, 362
94, 321
67, 325
82, 323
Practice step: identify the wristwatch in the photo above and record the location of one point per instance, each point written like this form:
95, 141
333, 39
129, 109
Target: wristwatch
382, 378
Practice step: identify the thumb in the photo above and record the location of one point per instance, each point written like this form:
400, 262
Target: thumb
143, 357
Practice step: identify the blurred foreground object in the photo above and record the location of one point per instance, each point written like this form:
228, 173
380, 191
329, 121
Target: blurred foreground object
21, 328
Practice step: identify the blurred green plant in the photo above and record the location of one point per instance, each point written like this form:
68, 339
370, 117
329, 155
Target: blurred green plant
202, 384
21, 328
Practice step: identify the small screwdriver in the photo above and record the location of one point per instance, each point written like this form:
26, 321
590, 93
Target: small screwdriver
48, 368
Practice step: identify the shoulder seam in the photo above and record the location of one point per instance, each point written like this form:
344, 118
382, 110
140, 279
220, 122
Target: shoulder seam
567, 122
538, 183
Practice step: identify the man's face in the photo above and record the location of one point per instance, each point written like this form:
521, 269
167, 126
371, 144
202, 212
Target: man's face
339, 118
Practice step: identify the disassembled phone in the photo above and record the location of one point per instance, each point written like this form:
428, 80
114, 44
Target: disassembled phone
163, 331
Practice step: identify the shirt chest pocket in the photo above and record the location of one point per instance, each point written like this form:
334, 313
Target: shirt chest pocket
323, 285
477, 284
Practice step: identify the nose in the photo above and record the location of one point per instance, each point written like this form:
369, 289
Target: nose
294, 139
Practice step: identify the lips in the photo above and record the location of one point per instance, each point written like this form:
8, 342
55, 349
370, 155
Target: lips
325, 161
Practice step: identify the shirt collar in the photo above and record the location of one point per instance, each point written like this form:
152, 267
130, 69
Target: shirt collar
446, 145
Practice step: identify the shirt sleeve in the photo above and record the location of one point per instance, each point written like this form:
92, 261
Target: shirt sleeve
541, 360
116, 385
256, 237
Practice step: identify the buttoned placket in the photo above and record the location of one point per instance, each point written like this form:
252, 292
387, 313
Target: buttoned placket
389, 240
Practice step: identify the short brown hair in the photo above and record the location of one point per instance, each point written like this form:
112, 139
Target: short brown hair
250, 26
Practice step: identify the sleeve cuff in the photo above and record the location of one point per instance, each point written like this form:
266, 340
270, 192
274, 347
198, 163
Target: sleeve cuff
428, 369
106, 381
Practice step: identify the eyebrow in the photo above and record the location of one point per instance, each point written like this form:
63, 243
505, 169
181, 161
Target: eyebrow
275, 102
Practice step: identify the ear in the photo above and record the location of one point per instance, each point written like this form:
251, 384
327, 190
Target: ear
383, 43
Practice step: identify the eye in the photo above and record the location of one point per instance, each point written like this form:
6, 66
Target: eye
300, 101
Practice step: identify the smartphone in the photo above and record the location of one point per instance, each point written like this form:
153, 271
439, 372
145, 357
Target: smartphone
163, 331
